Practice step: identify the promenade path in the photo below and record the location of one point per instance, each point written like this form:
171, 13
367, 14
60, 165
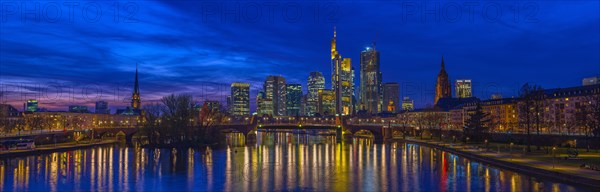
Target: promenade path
518, 157
55, 147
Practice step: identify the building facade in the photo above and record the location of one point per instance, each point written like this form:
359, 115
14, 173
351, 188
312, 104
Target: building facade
275, 90
264, 106
316, 82
31, 106
212, 105
590, 81
463, 88
391, 97
370, 81
78, 109
326, 102
8, 111
240, 99
293, 99
102, 107
407, 104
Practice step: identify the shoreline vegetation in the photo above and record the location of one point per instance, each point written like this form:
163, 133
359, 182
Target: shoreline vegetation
171, 123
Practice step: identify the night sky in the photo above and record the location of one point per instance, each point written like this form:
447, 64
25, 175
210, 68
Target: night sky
77, 54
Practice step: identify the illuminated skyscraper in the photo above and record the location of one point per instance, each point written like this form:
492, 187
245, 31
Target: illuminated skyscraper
442, 86
370, 81
274, 88
264, 106
391, 97
135, 97
240, 99
326, 102
316, 82
463, 88
293, 99
342, 82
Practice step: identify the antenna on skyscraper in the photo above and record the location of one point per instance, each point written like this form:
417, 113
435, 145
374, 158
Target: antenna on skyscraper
375, 40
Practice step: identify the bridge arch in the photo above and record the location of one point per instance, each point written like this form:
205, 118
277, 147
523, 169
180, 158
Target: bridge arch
376, 131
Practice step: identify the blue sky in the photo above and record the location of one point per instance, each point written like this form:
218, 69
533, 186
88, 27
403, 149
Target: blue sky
65, 53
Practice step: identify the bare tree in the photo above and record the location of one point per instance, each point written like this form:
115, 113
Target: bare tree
37, 122
404, 120
176, 113
592, 119
151, 127
174, 122
538, 98
420, 120
527, 105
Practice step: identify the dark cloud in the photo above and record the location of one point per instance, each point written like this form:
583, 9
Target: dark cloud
200, 48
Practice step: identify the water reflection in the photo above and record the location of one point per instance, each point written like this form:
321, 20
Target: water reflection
277, 161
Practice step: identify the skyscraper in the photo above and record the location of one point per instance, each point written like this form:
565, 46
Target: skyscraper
463, 88
264, 106
316, 82
326, 102
274, 88
442, 86
391, 97
370, 81
135, 97
347, 83
240, 99
102, 107
342, 82
293, 99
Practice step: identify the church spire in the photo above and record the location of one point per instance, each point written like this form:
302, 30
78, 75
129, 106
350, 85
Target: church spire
135, 97
443, 65
442, 87
136, 88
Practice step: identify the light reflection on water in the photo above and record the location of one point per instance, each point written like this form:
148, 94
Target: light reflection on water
278, 161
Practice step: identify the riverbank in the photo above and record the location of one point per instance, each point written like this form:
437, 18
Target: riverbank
522, 164
54, 148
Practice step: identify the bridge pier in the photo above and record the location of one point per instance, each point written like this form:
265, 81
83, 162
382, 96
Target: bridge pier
339, 136
388, 134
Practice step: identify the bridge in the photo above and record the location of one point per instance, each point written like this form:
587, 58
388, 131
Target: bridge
379, 131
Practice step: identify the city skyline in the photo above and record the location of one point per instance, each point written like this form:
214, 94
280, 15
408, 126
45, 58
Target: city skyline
409, 95
206, 70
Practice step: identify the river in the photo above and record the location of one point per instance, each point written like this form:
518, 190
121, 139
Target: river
277, 161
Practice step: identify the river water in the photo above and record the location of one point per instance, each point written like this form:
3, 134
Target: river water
277, 161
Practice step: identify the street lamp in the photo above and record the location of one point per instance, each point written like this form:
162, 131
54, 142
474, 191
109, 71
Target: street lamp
486, 145
510, 150
553, 156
